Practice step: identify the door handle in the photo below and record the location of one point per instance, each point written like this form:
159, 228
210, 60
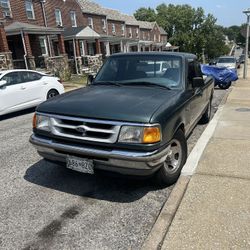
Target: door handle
45, 83
22, 88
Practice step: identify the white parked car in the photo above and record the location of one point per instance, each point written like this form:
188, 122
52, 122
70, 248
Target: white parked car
227, 61
22, 89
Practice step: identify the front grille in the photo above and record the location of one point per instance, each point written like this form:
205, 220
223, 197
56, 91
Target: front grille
84, 129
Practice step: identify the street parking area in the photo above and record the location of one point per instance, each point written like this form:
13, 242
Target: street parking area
46, 206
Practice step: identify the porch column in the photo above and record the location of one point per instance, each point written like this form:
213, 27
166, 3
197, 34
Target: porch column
138, 47
30, 59
7, 63
61, 44
125, 47
78, 58
4, 47
98, 46
78, 53
121, 45
107, 47
128, 47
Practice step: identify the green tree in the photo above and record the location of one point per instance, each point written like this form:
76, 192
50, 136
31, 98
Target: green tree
190, 29
145, 14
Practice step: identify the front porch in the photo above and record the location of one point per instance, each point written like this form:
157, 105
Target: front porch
36, 47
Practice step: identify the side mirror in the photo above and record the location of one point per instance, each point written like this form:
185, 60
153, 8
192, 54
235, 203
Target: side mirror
2, 83
198, 82
90, 79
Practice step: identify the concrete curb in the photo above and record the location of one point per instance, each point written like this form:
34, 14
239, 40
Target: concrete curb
163, 222
158, 232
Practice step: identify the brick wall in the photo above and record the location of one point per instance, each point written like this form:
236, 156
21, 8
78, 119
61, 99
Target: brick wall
155, 33
164, 38
118, 28
65, 7
4, 47
19, 13
147, 34
97, 22
133, 29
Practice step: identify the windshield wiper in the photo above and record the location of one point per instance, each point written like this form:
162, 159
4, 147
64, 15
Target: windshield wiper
107, 83
147, 84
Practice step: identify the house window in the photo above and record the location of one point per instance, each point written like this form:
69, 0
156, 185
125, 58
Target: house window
123, 29
58, 17
29, 9
113, 28
143, 35
5, 4
43, 45
90, 22
73, 18
148, 37
137, 32
154, 37
130, 32
104, 27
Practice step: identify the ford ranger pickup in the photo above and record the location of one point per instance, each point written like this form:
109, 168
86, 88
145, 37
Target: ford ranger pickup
133, 117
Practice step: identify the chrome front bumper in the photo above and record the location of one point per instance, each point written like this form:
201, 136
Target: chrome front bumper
121, 161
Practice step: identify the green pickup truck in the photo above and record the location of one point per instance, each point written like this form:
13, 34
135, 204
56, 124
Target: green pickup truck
133, 118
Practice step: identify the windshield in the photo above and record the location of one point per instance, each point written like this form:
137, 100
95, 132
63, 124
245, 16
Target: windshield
163, 70
226, 60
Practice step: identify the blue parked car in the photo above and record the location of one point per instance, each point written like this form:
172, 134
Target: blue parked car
223, 76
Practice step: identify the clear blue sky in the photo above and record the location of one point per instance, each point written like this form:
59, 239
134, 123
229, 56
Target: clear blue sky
227, 12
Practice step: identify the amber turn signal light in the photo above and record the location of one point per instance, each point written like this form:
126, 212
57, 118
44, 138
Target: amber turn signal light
34, 121
151, 135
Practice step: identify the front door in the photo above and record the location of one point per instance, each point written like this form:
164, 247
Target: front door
12, 95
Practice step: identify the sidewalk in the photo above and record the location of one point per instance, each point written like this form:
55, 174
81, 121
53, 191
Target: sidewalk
209, 207
215, 210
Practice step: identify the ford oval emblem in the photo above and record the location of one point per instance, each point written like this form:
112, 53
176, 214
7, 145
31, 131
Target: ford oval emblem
81, 130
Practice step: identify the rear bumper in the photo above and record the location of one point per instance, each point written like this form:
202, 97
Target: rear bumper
121, 161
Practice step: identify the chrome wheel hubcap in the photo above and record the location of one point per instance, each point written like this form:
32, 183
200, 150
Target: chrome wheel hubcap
174, 157
52, 94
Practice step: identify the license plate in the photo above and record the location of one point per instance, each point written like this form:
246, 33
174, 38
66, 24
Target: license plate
80, 164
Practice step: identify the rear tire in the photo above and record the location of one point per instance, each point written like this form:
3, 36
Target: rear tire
225, 85
170, 171
52, 93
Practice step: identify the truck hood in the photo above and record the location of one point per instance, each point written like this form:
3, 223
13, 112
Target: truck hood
125, 103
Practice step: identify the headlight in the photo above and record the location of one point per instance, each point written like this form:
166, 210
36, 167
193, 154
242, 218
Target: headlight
41, 122
134, 134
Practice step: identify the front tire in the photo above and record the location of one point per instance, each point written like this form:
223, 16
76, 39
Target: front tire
52, 93
170, 171
207, 115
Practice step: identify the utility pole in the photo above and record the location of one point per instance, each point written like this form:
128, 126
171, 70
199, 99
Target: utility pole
247, 12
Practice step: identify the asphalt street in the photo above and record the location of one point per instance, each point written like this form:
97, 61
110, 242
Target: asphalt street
46, 206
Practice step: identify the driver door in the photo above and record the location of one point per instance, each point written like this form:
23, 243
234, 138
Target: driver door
12, 96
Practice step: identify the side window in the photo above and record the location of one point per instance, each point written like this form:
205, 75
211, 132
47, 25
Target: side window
198, 72
30, 76
33, 76
13, 78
